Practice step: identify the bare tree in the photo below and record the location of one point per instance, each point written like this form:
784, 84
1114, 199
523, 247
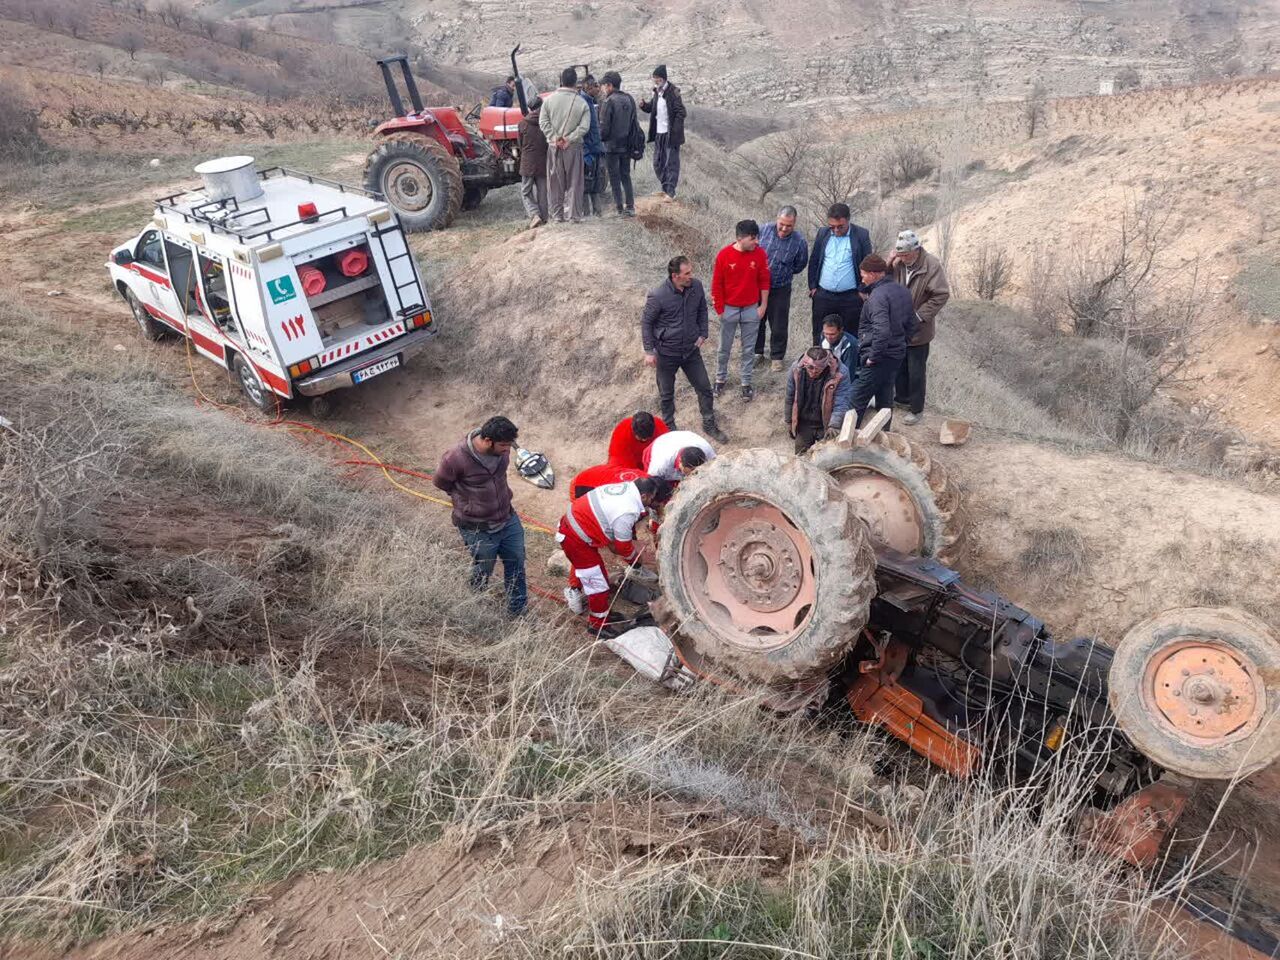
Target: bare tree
1034, 108
244, 37
75, 21
130, 42
832, 175
990, 271
1120, 289
98, 64
780, 159
173, 13
206, 27
903, 161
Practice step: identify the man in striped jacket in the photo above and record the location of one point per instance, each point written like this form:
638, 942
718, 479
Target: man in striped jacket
605, 517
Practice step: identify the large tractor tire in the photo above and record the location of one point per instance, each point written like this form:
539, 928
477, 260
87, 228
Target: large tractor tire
766, 573
901, 493
1198, 691
420, 178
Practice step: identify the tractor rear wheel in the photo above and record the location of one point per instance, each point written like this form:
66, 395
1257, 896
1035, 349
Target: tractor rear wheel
1198, 691
766, 572
420, 178
902, 494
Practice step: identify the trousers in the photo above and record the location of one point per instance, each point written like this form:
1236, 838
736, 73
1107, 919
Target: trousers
666, 163
506, 544
565, 182
847, 304
587, 573
624, 196
911, 378
533, 194
735, 320
777, 317
874, 383
695, 372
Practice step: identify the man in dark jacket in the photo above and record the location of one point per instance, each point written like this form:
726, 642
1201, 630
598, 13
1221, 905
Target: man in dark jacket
836, 339
505, 95
888, 322
617, 119
666, 129
673, 329
533, 165
474, 475
593, 178
819, 393
833, 269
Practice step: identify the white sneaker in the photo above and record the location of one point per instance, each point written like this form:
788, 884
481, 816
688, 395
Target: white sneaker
575, 599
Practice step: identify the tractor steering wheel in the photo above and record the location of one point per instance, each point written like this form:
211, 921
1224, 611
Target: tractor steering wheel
474, 113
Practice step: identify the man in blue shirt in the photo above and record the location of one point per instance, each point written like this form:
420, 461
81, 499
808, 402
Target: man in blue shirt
788, 255
833, 270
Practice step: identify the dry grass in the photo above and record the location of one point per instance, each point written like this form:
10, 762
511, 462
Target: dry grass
1059, 553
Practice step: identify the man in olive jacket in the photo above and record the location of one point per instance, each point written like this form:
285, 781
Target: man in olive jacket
565, 120
666, 129
673, 329
921, 273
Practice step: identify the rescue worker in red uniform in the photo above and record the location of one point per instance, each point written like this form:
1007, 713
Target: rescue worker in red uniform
630, 438
602, 475
605, 517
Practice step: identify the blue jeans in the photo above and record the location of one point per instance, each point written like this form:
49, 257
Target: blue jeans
507, 543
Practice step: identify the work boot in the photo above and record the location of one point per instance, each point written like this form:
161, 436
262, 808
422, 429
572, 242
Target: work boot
629, 212
759, 358
911, 419
575, 599
535, 222
777, 366
719, 388
713, 431
748, 394
607, 631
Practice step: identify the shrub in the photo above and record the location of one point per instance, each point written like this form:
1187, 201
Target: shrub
19, 127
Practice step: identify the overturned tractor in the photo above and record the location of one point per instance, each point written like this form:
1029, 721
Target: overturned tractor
828, 578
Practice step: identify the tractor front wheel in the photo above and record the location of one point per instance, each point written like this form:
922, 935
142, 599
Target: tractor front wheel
420, 178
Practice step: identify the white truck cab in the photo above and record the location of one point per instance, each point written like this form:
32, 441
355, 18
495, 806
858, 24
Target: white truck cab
297, 285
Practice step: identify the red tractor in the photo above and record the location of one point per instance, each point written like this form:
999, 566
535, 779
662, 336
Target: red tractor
430, 162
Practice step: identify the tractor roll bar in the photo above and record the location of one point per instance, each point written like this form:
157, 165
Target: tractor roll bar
414, 97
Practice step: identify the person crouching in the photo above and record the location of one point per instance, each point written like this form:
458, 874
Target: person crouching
605, 517
819, 394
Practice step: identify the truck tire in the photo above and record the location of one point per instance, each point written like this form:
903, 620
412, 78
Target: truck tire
152, 329
766, 572
419, 178
252, 387
1197, 690
902, 494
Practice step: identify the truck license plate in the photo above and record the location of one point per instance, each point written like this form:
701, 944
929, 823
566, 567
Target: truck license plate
382, 366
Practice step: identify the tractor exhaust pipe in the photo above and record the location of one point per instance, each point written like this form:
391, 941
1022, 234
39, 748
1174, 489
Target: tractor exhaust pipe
515, 72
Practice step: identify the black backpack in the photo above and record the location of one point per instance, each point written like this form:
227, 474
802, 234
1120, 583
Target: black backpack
636, 139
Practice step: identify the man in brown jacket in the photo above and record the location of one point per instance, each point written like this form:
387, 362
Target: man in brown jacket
533, 165
921, 273
819, 394
474, 475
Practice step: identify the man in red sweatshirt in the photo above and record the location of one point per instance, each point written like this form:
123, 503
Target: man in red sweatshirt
631, 436
740, 295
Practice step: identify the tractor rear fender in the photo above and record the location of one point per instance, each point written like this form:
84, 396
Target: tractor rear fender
442, 124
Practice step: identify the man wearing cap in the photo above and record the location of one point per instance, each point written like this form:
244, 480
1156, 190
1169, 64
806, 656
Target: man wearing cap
888, 322
833, 270
819, 392
921, 273
666, 129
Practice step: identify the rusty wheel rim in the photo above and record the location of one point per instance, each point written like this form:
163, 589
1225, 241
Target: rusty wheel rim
749, 573
885, 506
408, 186
1204, 692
